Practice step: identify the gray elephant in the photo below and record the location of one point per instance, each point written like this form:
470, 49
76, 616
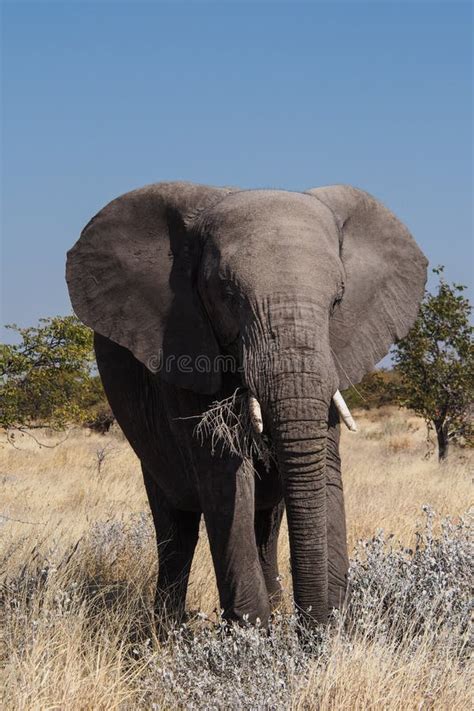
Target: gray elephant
304, 293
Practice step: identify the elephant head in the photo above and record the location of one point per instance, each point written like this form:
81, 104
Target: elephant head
307, 291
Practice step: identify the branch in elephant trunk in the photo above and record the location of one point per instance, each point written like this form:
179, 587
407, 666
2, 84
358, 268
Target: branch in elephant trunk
344, 411
229, 427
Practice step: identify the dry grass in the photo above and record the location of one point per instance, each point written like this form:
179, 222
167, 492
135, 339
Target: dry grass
78, 615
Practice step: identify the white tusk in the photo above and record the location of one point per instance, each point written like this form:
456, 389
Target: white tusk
344, 411
255, 414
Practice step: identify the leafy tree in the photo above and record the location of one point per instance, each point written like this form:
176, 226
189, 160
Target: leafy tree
47, 378
436, 364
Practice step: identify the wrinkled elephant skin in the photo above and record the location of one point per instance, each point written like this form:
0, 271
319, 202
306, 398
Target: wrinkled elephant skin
302, 294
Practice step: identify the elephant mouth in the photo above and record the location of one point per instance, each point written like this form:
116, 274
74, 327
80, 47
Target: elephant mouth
234, 426
255, 413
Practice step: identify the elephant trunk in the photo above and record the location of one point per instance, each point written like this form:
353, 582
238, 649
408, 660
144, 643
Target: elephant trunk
300, 429
289, 369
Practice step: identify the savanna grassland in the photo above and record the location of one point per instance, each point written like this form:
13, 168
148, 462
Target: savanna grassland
79, 564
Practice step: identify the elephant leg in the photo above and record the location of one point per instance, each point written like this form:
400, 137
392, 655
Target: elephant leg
338, 560
267, 528
176, 536
228, 503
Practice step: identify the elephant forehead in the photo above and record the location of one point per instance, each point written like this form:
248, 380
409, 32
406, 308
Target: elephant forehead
279, 213
265, 227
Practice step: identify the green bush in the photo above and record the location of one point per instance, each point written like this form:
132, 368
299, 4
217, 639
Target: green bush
376, 389
49, 377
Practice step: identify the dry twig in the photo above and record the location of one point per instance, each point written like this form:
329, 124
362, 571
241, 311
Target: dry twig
228, 426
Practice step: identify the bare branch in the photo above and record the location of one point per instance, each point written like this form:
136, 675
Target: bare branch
26, 431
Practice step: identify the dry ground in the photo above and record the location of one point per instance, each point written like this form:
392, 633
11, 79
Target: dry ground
84, 649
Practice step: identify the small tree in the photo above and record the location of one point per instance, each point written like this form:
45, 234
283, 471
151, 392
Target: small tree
436, 364
47, 379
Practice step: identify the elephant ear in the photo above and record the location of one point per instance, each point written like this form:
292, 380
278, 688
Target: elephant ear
131, 277
385, 276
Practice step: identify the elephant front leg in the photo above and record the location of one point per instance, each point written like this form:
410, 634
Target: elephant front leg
338, 560
228, 504
267, 528
176, 536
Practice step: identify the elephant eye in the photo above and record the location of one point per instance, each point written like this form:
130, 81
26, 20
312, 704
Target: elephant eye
338, 297
228, 291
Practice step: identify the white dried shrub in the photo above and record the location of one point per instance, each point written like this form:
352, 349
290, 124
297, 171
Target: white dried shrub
411, 590
230, 666
401, 600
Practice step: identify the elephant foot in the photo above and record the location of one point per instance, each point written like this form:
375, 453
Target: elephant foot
256, 612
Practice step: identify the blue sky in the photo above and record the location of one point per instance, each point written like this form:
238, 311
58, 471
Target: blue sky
100, 98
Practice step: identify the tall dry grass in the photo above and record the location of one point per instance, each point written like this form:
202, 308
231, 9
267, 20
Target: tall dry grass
79, 563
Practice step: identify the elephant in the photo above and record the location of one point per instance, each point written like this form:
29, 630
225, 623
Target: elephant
304, 292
